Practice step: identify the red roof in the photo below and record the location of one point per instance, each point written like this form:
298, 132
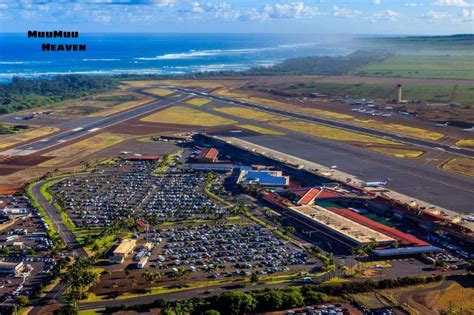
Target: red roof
403, 238
309, 196
299, 191
143, 157
209, 154
327, 194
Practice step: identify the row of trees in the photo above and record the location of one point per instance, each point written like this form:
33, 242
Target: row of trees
267, 300
21, 93
323, 65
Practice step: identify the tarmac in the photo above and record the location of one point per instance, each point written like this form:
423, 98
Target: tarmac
407, 179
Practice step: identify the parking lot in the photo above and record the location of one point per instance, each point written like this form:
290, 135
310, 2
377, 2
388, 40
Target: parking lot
24, 242
232, 249
102, 198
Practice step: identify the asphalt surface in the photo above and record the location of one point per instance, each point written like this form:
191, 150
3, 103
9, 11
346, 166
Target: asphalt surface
69, 238
419, 142
407, 176
83, 126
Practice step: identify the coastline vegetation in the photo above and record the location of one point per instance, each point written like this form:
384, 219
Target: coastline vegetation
21, 94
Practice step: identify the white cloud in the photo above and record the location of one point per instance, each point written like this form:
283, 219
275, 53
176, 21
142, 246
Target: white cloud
291, 10
344, 12
387, 15
414, 4
467, 15
376, 2
221, 10
436, 15
453, 3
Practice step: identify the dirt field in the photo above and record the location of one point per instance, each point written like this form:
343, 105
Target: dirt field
455, 299
181, 115
248, 113
357, 80
15, 139
159, 92
82, 149
330, 133
397, 152
113, 109
190, 83
461, 165
138, 127
387, 126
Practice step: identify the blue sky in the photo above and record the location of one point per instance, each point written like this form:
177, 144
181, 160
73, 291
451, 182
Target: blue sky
241, 16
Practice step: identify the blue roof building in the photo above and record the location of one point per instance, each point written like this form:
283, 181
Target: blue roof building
263, 178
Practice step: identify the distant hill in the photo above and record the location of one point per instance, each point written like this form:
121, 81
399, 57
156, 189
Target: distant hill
449, 41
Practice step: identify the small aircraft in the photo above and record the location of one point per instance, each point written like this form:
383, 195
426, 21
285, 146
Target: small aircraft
376, 184
468, 129
442, 125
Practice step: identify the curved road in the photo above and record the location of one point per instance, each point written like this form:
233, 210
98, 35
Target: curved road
69, 239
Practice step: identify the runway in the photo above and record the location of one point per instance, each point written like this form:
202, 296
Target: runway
82, 126
373, 132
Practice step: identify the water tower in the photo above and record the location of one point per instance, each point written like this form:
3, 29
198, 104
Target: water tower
399, 93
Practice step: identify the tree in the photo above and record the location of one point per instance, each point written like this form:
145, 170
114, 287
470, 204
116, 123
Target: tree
291, 229
67, 309
314, 297
269, 300
292, 298
22, 301
234, 303
254, 278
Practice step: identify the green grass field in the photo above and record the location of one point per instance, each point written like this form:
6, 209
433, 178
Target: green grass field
432, 64
430, 92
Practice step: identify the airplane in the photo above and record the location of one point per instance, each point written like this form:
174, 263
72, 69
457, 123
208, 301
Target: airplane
387, 115
376, 184
442, 125
469, 129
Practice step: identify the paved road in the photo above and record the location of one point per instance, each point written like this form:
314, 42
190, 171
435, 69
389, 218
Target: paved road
83, 126
332, 123
69, 239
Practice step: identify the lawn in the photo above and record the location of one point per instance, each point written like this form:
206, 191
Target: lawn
465, 143
83, 149
96, 311
261, 130
330, 133
159, 92
461, 165
198, 101
435, 64
120, 107
26, 136
248, 113
397, 152
187, 116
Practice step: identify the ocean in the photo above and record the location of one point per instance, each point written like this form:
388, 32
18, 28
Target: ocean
157, 53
